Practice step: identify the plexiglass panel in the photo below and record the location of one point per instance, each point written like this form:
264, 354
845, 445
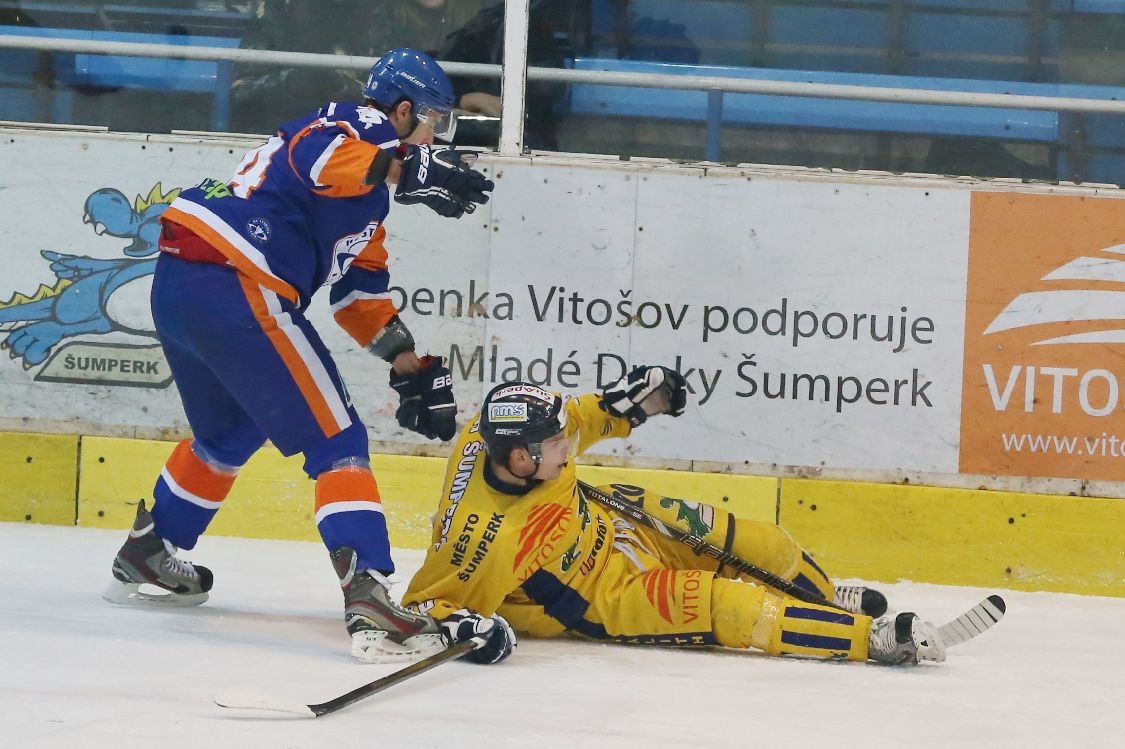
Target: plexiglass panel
1067, 48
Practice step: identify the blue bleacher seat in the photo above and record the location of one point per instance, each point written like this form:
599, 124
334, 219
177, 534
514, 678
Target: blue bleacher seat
1034, 126
995, 47
152, 19
994, 39
758, 109
118, 71
846, 39
1095, 6
719, 29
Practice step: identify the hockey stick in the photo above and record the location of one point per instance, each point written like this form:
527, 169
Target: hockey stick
968, 625
973, 622
705, 548
254, 702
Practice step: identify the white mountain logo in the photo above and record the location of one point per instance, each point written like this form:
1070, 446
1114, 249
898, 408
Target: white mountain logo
1070, 305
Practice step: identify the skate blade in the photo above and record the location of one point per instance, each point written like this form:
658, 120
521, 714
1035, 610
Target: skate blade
373, 647
131, 594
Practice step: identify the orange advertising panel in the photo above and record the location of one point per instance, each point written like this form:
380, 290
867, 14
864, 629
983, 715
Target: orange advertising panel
1044, 380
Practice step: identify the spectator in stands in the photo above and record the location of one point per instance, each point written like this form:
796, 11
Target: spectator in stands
263, 95
482, 40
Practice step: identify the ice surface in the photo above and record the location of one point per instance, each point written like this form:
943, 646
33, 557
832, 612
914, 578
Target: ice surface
78, 672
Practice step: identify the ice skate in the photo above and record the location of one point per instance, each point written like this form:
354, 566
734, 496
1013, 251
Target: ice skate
148, 560
382, 631
904, 639
859, 599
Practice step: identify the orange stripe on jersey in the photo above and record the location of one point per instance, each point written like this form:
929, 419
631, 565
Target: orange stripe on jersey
374, 254
345, 179
363, 318
344, 174
351, 484
240, 261
306, 383
195, 476
540, 522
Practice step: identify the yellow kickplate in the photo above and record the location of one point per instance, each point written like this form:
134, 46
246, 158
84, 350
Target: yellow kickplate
870, 531
750, 497
272, 498
410, 487
959, 536
38, 478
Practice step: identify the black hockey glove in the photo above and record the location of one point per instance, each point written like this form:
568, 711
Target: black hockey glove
426, 404
493, 636
438, 177
644, 392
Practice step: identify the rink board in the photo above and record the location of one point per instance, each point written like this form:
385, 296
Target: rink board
845, 326
959, 536
273, 498
854, 529
38, 476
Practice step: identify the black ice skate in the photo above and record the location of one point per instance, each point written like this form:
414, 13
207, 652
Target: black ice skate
904, 639
859, 599
146, 559
382, 631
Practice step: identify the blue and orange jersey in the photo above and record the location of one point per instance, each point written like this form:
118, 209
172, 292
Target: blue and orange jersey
493, 551
297, 214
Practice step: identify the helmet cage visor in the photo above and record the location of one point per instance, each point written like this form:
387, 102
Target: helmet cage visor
442, 120
535, 449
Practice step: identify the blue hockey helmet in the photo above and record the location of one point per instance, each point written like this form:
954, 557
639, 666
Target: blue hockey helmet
408, 73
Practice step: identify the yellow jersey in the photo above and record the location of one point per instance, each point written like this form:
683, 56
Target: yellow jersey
532, 555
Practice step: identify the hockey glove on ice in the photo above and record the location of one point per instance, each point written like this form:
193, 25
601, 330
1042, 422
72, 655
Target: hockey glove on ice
493, 636
426, 404
644, 392
439, 178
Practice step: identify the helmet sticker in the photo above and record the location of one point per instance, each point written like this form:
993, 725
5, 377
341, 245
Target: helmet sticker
535, 392
501, 431
507, 412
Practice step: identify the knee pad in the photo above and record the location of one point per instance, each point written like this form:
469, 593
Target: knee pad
343, 448
209, 457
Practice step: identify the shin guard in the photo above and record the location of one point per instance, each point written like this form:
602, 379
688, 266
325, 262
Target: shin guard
753, 616
188, 493
349, 513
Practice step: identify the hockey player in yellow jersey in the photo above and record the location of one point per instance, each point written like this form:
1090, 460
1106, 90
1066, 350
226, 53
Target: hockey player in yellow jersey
518, 545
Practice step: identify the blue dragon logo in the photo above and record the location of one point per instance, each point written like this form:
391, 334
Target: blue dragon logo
80, 300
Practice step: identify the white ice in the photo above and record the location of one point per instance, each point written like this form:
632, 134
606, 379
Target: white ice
78, 672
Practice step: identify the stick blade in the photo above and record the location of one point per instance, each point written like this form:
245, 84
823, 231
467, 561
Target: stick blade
256, 702
976, 621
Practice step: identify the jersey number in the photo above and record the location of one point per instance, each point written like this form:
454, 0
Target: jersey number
252, 169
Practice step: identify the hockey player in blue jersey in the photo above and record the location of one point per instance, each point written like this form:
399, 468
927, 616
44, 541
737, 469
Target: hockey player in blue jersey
240, 260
